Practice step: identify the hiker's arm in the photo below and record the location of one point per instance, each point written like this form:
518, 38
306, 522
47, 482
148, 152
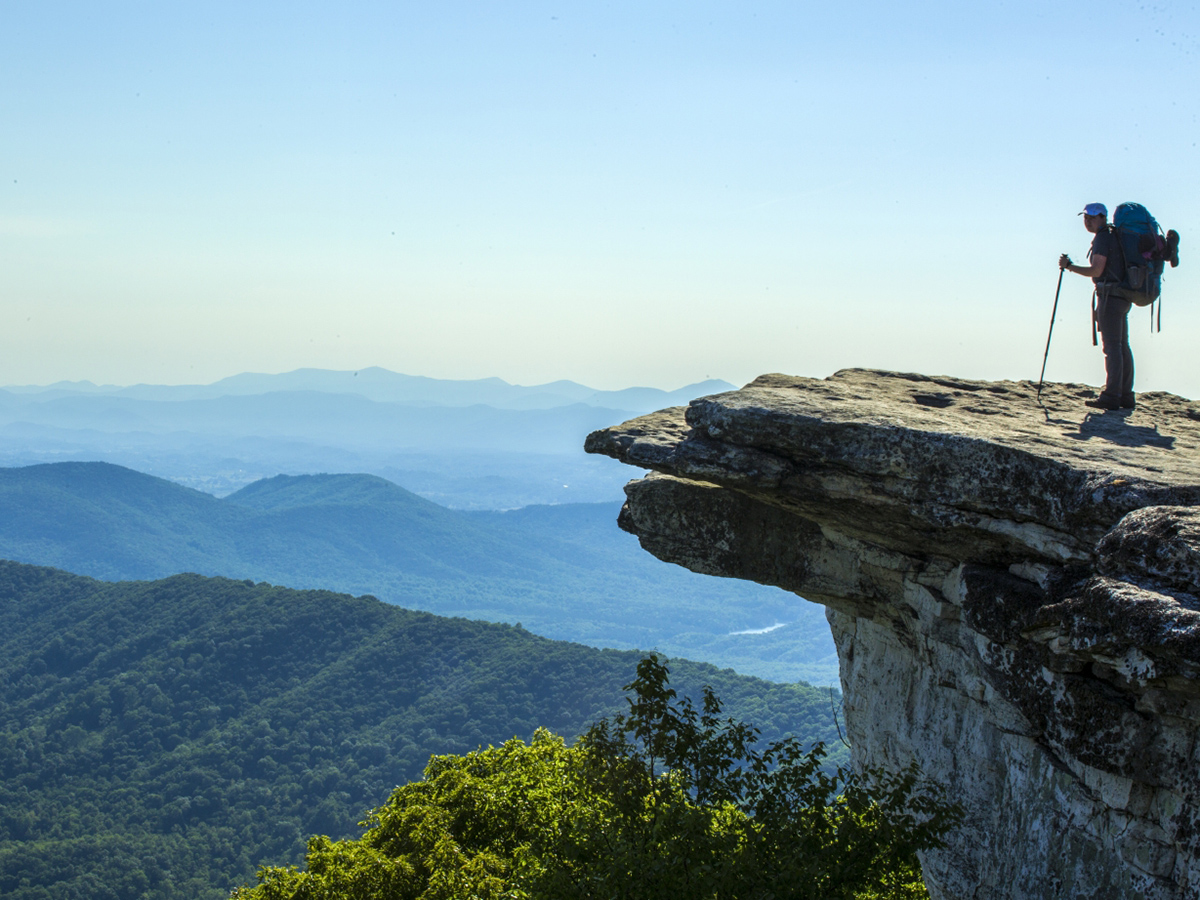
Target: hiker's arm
1095, 270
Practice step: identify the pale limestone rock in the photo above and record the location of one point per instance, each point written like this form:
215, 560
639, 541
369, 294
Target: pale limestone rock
1012, 588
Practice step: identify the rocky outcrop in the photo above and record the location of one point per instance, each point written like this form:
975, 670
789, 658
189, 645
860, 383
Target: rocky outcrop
1012, 587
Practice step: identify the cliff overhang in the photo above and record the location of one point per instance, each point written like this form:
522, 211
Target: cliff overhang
1012, 584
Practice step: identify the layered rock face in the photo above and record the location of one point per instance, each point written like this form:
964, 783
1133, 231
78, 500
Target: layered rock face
1012, 587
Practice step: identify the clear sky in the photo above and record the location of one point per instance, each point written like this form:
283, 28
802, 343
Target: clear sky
618, 193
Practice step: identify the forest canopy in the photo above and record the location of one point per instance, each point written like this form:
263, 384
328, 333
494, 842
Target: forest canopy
664, 801
160, 740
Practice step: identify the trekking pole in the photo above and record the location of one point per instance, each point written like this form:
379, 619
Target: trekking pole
1053, 313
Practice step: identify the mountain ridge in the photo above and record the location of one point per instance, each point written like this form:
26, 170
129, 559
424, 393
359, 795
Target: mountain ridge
482, 444
565, 571
384, 385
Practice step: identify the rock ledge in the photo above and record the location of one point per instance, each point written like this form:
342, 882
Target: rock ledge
1012, 587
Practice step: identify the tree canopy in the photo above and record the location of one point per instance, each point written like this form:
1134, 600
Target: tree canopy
663, 801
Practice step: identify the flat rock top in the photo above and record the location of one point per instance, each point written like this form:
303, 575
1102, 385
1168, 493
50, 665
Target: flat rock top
1159, 441
943, 448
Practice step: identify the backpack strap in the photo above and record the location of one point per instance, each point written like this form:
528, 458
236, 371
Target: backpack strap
1116, 233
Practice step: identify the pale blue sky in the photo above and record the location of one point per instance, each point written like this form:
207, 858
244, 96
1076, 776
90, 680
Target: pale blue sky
613, 193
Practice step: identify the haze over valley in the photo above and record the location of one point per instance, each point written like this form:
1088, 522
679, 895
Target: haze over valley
481, 444
562, 569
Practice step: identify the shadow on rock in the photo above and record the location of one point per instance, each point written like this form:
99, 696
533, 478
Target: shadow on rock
1113, 426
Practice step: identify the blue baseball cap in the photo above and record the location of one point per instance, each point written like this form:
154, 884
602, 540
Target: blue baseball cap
1095, 209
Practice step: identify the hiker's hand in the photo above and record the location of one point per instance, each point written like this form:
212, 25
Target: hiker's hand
1064, 262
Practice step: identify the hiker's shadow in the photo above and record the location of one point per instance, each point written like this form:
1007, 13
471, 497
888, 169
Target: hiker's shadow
1113, 426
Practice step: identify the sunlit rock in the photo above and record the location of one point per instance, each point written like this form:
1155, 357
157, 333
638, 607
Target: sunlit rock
1012, 587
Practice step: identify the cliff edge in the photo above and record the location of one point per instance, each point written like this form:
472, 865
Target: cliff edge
1012, 587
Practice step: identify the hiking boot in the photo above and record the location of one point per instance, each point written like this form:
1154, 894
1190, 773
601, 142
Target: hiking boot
1104, 401
1172, 253
1129, 401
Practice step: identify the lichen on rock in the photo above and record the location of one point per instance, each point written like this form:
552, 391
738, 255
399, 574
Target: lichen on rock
1013, 587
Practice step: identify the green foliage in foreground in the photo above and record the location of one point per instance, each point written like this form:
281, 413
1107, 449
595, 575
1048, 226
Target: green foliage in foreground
663, 802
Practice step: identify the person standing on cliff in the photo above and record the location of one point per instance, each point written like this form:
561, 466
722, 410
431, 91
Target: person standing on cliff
1112, 309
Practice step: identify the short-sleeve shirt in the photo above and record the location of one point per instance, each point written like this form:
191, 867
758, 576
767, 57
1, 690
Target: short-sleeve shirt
1105, 244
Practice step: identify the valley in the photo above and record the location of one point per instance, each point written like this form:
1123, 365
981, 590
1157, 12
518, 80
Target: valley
564, 571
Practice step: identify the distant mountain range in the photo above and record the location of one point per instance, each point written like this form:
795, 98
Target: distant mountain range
482, 444
385, 386
564, 571
159, 740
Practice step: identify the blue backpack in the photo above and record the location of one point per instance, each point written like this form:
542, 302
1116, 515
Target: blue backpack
1145, 250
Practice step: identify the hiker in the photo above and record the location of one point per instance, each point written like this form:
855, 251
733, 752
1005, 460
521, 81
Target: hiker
1112, 308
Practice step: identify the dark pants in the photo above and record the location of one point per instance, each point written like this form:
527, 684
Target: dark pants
1112, 317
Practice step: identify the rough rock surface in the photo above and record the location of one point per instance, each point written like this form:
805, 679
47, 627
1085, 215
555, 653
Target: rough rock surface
1012, 587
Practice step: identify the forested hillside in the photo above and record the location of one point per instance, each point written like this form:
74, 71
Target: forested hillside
566, 571
161, 739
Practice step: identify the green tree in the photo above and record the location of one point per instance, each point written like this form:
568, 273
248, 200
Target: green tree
663, 801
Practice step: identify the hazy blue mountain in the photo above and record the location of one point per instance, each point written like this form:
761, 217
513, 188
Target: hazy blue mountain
414, 390
385, 386
349, 420
482, 444
564, 571
159, 740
